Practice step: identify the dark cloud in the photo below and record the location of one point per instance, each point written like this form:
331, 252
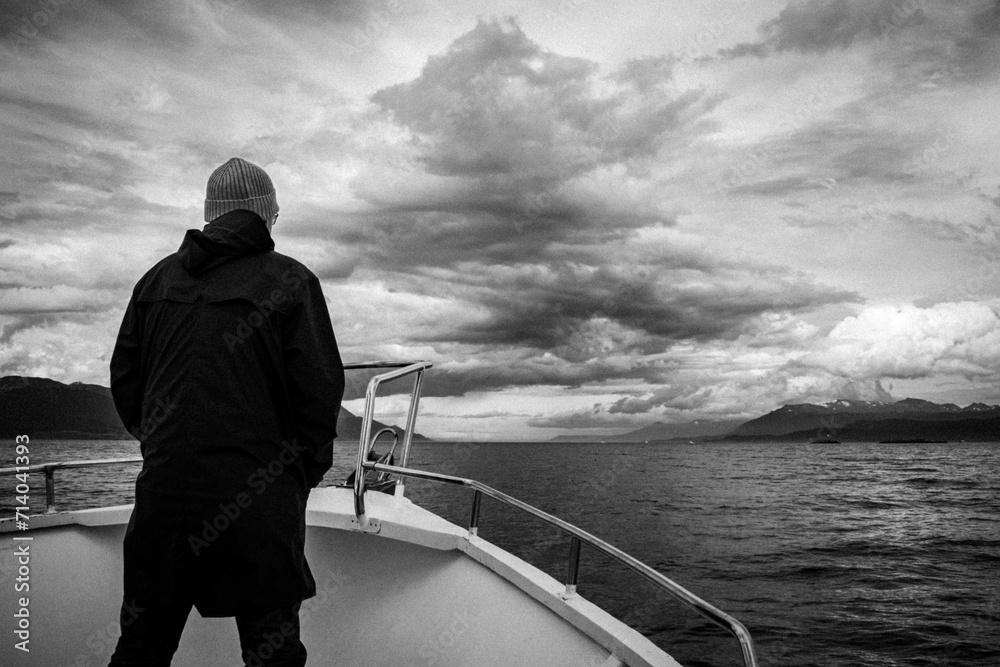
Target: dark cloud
154, 23
528, 190
876, 153
629, 405
517, 155
547, 308
976, 51
497, 104
782, 186
334, 266
44, 320
838, 149
526, 372
646, 74
168, 25
446, 238
19, 301
25, 104
959, 41
818, 26
824, 25
341, 11
758, 50
934, 227
678, 396
23, 322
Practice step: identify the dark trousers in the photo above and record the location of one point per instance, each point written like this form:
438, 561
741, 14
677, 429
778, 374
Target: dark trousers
150, 637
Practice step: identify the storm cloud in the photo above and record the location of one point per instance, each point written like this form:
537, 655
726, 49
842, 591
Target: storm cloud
527, 194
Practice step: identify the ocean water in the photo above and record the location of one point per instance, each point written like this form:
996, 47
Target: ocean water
832, 555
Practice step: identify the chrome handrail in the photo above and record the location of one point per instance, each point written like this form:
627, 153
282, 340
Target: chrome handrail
400, 369
578, 536
50, 469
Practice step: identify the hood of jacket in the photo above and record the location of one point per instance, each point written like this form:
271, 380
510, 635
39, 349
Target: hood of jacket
234, 234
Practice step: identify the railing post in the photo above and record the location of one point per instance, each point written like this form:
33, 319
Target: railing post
574, 565
369, 417
477, 499
411, 418
50, 490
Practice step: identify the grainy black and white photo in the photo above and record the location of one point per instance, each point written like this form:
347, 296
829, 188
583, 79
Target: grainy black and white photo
562, 332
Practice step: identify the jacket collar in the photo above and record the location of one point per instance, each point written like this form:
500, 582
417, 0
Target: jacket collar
234, 234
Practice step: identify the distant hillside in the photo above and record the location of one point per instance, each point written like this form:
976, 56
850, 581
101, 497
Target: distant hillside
973, 429
699, 428
844, 420
873, 421
44, 408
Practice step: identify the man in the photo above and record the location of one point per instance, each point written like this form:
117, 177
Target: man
227, 371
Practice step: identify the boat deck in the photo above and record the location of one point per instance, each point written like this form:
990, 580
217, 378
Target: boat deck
419, 591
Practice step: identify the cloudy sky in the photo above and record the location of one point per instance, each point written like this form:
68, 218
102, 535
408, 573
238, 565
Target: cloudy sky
591, 216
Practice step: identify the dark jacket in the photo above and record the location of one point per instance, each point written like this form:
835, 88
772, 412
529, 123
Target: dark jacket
227, 371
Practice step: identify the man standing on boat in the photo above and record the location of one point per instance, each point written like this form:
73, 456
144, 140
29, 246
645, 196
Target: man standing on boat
227, 371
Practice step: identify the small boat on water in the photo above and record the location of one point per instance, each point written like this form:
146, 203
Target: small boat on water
396, 584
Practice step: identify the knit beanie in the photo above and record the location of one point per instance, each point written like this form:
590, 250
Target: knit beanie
239, 184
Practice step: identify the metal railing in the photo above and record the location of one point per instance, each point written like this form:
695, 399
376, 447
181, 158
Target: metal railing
577, 535
50, 474
400, 369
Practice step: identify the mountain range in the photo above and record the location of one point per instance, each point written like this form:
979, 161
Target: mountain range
47, 409
843, 420
837, 415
